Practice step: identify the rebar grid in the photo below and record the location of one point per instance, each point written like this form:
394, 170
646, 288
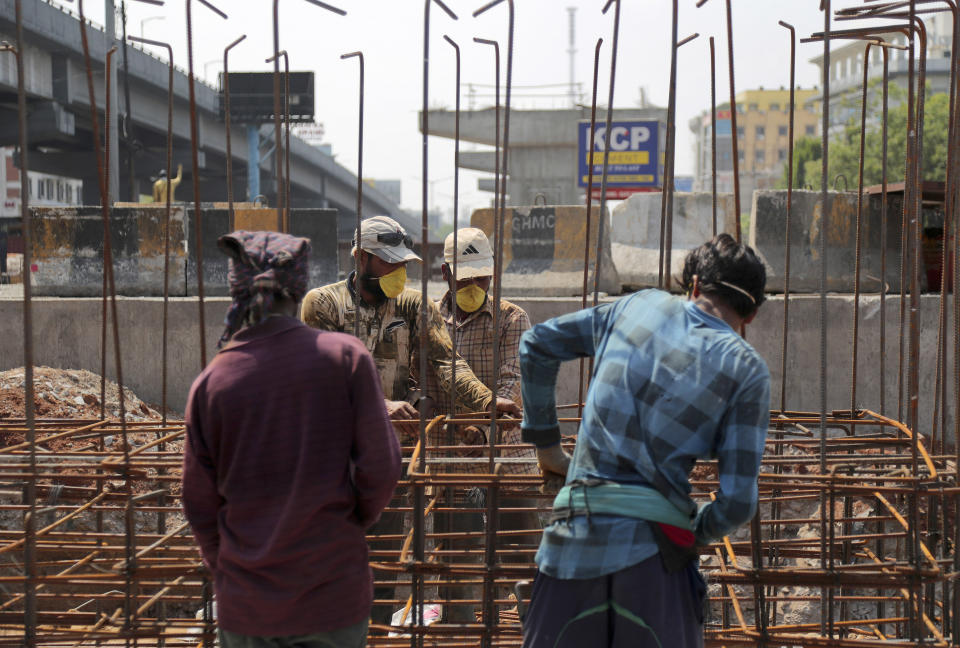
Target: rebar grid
854, 543
886, 587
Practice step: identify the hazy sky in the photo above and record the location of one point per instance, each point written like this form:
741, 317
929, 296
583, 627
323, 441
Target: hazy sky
390, 33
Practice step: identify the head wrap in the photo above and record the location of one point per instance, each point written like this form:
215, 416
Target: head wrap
262, 265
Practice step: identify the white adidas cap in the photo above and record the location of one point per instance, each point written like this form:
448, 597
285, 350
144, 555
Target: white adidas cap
474, 254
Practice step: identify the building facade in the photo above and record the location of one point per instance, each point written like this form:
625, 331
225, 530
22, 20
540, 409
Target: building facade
46, 190
846, 68
763, 127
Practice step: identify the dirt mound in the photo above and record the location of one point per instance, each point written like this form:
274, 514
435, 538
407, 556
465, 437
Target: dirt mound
68, 393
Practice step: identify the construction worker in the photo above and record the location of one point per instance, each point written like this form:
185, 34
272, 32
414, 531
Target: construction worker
278, 484
160, 186
673, 382
389, 314
468, 311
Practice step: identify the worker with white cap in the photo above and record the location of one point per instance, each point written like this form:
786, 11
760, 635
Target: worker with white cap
468, 312
389, 314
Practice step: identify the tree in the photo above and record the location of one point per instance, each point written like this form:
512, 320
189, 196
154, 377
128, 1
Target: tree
845, 148
805, 151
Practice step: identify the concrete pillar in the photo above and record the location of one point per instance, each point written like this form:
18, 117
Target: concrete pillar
253, 161
112, 127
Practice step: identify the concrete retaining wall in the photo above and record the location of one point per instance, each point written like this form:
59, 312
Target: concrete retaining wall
635, 233
67, 335
68, 248
543, 250
318, 225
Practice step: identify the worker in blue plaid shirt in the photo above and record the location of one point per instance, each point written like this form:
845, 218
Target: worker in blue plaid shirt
673, 382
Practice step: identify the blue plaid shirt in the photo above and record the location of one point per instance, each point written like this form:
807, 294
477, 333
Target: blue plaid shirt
670, 384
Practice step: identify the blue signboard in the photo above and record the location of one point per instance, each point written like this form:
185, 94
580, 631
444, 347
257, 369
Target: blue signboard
683, 184
635, 160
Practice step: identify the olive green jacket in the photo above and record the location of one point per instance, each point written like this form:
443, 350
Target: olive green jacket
391, 334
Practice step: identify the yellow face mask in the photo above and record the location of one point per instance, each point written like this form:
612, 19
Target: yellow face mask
470, 298
392, 284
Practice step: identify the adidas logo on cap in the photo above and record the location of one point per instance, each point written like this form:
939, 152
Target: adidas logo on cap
470, 250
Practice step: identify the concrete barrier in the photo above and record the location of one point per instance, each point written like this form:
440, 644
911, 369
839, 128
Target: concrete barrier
543, 250
808, 224
68, 250
318, 225
67, 335
635, 233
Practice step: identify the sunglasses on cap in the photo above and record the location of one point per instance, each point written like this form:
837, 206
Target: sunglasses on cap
395, 238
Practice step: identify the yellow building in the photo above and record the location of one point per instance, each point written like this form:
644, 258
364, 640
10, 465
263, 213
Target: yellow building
763, 121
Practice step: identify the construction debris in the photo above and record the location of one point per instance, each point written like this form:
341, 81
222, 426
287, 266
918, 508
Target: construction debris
69, 394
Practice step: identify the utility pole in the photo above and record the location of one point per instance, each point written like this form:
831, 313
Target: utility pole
111, 129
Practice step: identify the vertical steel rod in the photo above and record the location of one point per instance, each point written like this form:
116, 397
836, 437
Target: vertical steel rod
278, 146
489, 613
586, 244
666, 195
129, 528
788, 222
167, 214
827, 600
854, 341
282, 188
456, 226
734, 137
283, 213
418, 492
601, 218
286, 140
30, 488
359, 56
713, 133
226, 121
195, 160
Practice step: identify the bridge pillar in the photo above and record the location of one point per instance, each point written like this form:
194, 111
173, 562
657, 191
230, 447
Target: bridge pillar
253, 161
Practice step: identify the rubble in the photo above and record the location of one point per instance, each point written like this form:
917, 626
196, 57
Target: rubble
68, 394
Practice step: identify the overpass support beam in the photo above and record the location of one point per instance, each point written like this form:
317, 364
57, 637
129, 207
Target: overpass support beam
253, 161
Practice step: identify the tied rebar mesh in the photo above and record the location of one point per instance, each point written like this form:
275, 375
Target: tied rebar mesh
854, 543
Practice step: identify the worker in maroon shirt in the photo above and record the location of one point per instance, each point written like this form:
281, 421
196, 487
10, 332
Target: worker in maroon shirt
289, 457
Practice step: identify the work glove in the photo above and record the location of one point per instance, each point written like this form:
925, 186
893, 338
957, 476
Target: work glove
554, 459
554, 463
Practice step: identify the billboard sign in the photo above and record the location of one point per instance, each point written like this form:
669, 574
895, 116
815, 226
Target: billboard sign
251, 97
635, 161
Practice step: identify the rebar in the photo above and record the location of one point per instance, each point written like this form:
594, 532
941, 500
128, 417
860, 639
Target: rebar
195, 179
586, 237
601, 218
226, 126
857, 510
283, 213
283, 190
456, 222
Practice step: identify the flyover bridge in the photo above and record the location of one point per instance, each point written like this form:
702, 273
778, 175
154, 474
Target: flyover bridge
59, 129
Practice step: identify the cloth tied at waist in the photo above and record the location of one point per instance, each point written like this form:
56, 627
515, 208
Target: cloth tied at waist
597, 497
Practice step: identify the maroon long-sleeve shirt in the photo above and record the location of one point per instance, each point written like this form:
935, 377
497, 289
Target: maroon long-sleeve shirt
289, 457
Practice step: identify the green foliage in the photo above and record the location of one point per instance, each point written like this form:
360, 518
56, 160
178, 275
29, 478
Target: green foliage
845, 148
807, 153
